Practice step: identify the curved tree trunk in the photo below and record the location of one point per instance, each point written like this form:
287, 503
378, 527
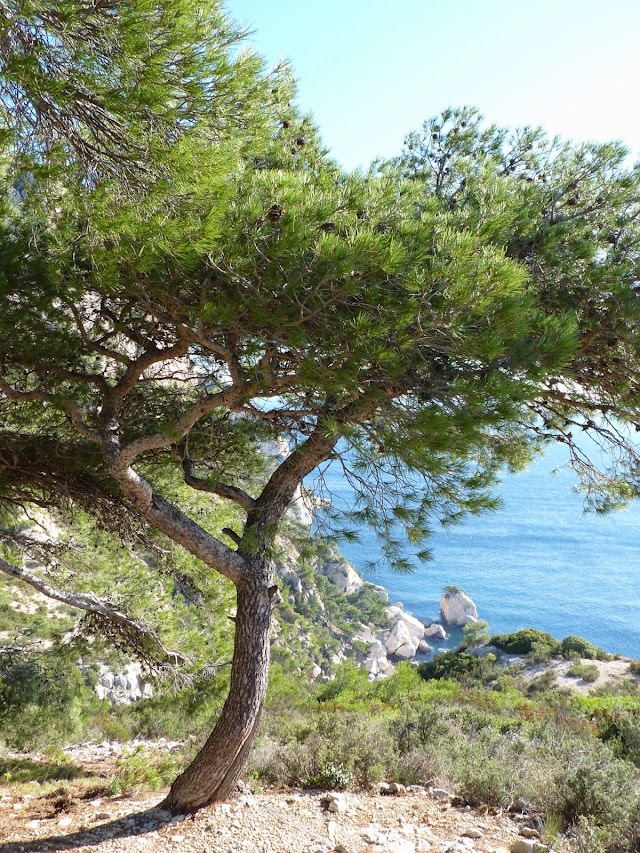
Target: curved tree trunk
213, 773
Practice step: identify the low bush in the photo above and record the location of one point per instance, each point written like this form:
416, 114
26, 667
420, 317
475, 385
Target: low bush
586, 671
525, 641
585, 649
139, 770
43, 700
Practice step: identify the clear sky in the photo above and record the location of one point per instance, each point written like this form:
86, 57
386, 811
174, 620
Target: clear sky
371, 70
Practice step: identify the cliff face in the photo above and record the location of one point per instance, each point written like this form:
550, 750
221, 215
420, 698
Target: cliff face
329, 613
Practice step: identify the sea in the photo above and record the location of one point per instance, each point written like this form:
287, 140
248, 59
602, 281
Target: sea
538, 561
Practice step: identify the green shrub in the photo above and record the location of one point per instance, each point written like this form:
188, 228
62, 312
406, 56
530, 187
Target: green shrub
331, 776
475, 633
43, 700
586, 671
525, 641
139, 771
594, 784
450, 665
575, 643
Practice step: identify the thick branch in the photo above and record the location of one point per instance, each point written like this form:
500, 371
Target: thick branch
175, 524
278, 493
143, 634
232, 493
182, 426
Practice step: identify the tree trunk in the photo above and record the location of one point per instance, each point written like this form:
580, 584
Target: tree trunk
213, 773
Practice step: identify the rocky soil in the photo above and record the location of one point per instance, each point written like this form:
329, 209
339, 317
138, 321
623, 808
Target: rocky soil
414, 821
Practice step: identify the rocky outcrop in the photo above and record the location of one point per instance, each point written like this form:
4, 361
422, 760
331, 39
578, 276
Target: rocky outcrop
120, 688
342, 574
457, 608
436, 631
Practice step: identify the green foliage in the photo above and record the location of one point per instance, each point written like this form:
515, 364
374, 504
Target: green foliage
586, 671
18, 770
475, 633
490, 746
138, 771
526, 641
451, 665
330, 776
187, 274
584, 648
42, 700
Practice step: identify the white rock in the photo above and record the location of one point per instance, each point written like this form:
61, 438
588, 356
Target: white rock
407, 650
473, 833
456, 607
435, 630
528, 832
335, 802
424, 647
364, 634
385, 666
482, 651
414, 626
377, 649
343, 575
440, 793
521, 846
381, 591
372, 666
399, 637
372, 836
313, 672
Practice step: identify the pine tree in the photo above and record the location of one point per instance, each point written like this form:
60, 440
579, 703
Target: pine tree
420, 325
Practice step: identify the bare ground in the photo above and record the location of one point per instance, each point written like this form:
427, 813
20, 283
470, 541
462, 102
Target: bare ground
74, 817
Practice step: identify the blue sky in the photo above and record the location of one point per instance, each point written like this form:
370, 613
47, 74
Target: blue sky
371, 70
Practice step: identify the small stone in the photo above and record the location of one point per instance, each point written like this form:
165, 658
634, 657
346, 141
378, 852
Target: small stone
176, 838
528, 832
397, 788
473, 833
440, 794
521, 846
65, 821
383, 787
372, 836
180, 817
340, 848
335, 802
332, 827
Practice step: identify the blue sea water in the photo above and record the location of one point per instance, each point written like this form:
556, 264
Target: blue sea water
538, 561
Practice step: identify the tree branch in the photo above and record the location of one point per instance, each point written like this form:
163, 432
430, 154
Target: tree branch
143, 635
174, 523
232, 493
73, 409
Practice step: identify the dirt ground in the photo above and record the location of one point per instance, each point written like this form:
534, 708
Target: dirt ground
78, 815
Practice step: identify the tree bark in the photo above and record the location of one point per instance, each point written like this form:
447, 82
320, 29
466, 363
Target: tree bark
214, 772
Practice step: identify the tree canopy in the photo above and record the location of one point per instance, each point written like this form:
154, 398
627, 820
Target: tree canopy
426, 323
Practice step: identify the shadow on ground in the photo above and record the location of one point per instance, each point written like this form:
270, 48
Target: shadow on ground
127, 826
26, 770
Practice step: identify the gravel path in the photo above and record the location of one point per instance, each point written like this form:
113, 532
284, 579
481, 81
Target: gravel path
295, 822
